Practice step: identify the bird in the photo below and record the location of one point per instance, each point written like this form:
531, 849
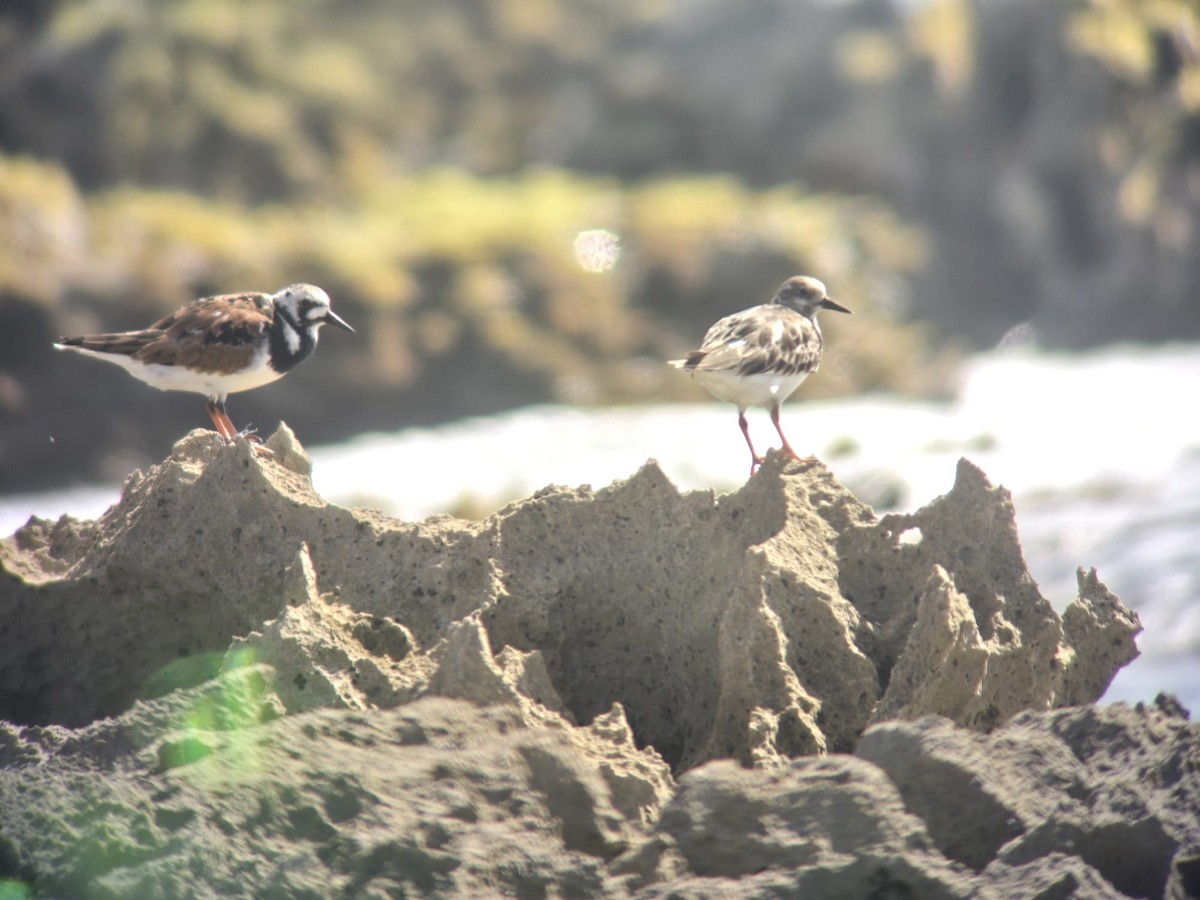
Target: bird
219, 345
759, 356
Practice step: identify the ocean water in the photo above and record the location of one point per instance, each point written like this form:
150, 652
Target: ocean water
1100, 450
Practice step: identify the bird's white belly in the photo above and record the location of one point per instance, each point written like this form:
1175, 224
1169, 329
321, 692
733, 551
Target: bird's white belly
178, 378
763, 389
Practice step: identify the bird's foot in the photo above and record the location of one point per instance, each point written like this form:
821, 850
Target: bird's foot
788, 454
249, 434
787, 451
803, 461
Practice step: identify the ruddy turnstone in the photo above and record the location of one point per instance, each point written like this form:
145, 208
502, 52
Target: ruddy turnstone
219, 345
759, 356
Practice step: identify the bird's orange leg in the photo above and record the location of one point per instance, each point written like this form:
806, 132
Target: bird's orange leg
755, 459
216, 412
229, 431
786, 449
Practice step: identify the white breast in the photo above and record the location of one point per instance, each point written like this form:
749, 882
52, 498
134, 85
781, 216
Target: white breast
763, 390
177, 378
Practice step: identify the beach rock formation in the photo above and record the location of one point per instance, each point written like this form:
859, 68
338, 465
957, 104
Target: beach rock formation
227, 685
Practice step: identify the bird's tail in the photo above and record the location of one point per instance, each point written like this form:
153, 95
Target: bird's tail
692, 361
127, 342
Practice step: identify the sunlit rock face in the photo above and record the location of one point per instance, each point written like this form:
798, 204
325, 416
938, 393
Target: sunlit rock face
507, 705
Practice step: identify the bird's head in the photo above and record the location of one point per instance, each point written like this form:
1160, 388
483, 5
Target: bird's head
806, 295
308, 306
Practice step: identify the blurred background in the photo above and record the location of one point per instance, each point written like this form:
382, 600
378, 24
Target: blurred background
525, 206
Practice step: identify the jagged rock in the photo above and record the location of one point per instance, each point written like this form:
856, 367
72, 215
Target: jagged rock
326, 654
772, 622
961, 629
437, 797
310, 700
833, 825
1115, 789
466, 668
207, 790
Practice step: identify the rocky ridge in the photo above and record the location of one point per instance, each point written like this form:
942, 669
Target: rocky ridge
226, 684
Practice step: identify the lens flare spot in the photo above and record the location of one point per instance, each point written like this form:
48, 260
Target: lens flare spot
597, 249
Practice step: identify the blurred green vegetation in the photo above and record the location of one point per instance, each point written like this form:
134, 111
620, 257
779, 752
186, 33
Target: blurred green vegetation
261, 99
1152, 50
437, 264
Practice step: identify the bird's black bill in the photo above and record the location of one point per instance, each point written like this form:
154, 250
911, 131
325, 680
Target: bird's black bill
334, 319
827, 303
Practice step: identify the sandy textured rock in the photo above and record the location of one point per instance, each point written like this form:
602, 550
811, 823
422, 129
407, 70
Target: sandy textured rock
961, 628
439, 797
769, 623
836, 826
1115, 790
310, 701
326, 654
209, 792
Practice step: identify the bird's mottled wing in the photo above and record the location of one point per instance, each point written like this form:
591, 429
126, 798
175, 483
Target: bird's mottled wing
212, 334
766, 338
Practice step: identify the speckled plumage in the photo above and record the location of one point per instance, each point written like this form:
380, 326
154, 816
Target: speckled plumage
219, 345
759, 356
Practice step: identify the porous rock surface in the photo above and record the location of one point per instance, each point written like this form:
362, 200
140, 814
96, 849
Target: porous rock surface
227, 686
